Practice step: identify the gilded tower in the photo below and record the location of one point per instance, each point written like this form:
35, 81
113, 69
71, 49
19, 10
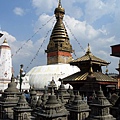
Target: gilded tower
59, 48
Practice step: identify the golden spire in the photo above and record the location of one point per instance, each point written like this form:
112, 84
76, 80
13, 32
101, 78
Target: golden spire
59, 3
5, 41
59, 11
88, 49
59, 39
106, 70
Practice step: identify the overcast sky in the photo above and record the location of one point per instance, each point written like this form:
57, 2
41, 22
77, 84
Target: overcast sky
27, 25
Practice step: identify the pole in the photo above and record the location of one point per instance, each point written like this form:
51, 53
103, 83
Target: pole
21, 71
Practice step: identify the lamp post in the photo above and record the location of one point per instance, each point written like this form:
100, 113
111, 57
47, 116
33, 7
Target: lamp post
22, 74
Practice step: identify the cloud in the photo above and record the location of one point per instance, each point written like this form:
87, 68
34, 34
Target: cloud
44, 6
49, 6
95, 9
45, 22
80, 29
19, 11
6, 35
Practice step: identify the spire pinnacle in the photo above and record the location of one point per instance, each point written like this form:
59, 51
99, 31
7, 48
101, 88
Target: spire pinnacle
59, 11
52, 92
88, 49
106, 70
12, 78
59, 3
5, 41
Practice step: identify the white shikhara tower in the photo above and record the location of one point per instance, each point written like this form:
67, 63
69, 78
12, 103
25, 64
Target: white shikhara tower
5, 65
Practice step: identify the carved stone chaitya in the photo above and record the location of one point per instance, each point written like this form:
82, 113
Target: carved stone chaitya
33, 98
115, 109
62, 92
22, 110
52, 110
52, 85
9, 99
78, 108
100, 108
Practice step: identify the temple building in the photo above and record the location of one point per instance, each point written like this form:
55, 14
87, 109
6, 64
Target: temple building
115, 50
118, 77
84, 74
90, 76
116, 53
59, 55
5, 65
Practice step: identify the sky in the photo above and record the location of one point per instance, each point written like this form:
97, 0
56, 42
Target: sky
27, 26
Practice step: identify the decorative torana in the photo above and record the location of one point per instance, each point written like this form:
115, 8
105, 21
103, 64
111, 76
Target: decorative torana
59, 49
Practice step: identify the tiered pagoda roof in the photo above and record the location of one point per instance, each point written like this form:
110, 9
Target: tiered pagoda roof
89, 64
90, 57
79, 76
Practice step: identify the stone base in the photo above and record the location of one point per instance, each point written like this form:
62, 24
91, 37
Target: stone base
107, 117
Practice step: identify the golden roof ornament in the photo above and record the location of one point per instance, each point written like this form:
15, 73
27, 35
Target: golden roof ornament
88, 49
59, 11
5, 41
59, 3
106, 70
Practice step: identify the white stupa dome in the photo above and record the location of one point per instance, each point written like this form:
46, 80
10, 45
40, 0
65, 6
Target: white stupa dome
42, 75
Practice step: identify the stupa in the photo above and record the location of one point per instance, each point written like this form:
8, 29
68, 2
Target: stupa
59, 55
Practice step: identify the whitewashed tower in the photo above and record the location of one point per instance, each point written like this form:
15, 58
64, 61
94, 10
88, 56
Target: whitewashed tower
5, 65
